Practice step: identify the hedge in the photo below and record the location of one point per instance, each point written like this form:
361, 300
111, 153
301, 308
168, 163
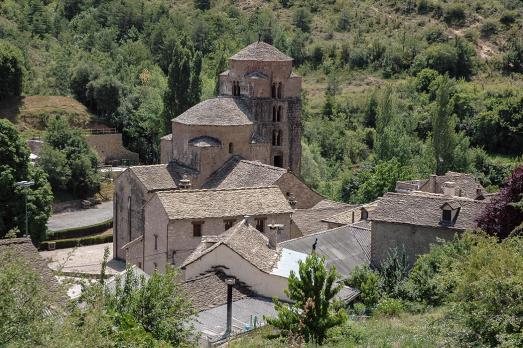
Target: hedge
74, 242
82, 231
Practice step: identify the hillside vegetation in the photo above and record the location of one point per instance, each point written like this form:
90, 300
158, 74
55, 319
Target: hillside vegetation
379, 76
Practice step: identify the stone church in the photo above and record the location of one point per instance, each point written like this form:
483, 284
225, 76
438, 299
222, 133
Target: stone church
235, 155
255, 116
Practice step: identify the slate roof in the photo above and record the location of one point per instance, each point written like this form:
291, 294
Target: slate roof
466, 182
311, 220
220, 111
247, 242
344, 247
424, 209
260, 51
237, 172
200, 204
345, 217
209, 290
154, 177
161, 176
23, 248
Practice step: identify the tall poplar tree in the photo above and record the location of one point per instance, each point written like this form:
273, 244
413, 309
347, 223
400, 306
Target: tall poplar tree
443, 127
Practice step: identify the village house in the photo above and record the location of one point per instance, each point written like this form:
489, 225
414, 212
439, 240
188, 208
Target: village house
176, 221
452, 183
411, 222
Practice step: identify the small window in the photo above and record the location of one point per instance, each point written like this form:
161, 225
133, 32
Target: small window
278, 116
274, 116
139, 265
231, 148
278, 161
447, 216
364, 214
279, 90
155, 266
155, 242
260, 224
273, 90
228, 224
197, 229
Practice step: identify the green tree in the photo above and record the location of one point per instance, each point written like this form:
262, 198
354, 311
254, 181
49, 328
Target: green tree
178, 96
105, 93
81, 176
443, 127
11, 70
314, 309
367, 282
302, 19
202, 4
15, 167
195, 87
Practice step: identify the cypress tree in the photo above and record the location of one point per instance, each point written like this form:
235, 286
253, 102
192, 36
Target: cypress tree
196, 80
443, 128
220, 67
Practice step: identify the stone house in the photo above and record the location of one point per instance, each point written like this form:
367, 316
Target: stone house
176, 221
452, 183
414, 221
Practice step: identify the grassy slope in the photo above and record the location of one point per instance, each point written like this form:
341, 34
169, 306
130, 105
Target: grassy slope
408, 330
30, 113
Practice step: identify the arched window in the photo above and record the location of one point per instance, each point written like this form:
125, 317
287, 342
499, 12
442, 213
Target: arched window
278, 139
274, 136
231, 148
278, 118
279, 90
274, 90
274, 117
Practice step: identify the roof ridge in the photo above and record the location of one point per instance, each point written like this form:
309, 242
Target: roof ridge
439, 196
260, 164
218, 189
323, 232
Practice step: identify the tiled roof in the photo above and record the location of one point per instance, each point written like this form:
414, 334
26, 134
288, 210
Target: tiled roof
424, 209
154, 177
345, 217
260, 51
311, 220
209, 290
220, 111
247, 242
161, 176
344, 247
200, 204
466, 182
242, 173
23, 248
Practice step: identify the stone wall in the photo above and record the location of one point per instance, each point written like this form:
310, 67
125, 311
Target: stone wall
110, 148
128, 218
415, 239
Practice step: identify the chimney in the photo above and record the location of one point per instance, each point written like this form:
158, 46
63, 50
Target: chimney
230, 282
274, 234
432, 184
449, 188
292, 200
185, 182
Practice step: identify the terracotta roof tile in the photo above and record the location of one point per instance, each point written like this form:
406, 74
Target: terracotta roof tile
424, 209
220, 111
260, 51
237, 172
200, 204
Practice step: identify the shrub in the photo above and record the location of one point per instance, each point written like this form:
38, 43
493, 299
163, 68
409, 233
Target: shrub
302, 19
488, 296
440, 57
359, 308
508, 18
76, 242
81, 231
425, 78
454, 14
488, 28
367, 282
389, 307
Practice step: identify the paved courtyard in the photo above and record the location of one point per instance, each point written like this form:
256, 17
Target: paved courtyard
85, 259
84, 217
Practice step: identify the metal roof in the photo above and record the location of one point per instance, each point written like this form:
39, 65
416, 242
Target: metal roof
344, 247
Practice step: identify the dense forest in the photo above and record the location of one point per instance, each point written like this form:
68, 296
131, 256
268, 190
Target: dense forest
393, 89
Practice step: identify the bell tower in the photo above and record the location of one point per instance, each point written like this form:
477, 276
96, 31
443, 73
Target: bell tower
261, 76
